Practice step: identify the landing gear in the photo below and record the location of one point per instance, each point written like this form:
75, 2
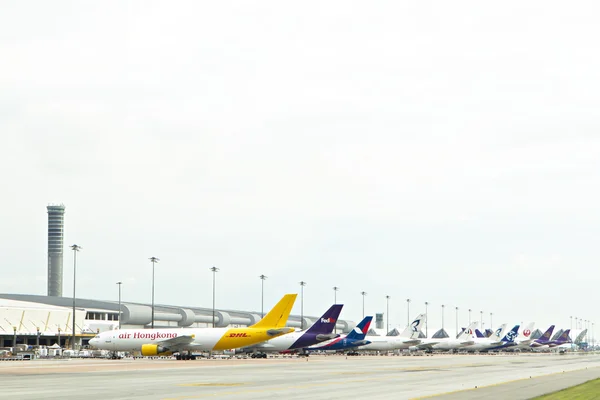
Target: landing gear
258, 355
182, 356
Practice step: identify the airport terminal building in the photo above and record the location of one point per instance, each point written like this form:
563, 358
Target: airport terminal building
45, 320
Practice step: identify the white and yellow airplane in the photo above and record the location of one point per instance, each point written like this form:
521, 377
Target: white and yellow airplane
152, 342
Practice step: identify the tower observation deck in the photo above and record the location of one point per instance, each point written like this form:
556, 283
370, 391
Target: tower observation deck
56, 222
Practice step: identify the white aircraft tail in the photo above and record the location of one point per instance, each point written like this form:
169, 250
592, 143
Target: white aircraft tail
525, 332
499, 333
412, 330
468, 333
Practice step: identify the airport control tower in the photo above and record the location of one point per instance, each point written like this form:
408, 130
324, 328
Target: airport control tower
56, 223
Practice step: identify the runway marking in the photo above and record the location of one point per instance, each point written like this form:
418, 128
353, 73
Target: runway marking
495, 384
208, 384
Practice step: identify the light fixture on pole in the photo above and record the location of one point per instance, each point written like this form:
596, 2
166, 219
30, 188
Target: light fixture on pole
262, 294
302, 284
443, 306
335, 290
387, 313
363, 295
481, 320
120, 313
456, 308
75, 249
153, 260
407, 312
491, 321
469, 316
426, 320
214, 271
571, 317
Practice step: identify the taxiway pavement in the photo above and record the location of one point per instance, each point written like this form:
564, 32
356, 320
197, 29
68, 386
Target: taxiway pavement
318, 377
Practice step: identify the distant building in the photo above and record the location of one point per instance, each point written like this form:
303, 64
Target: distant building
27, 316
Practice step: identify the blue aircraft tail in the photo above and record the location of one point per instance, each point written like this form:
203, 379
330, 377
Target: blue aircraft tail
478, 334
512, 334
360, 331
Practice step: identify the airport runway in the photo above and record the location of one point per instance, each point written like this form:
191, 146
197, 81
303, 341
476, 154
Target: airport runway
320, 377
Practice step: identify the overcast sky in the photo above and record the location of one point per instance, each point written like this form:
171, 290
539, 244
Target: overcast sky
440, 151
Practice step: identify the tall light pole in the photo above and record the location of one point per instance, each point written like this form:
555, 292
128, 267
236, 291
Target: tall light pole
407, 312
387, 313
426, 320
262, 294
302, 284
153, 260
469, 316
491, 321
119, 283
75, 249
481, 320
443, 316
335, 290
363, 295
214, 271
456, 308
571, 317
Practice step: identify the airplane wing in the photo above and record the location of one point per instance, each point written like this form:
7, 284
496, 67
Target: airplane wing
263, 345
423, 346
179, 341
467, 343
412, 342
279, 331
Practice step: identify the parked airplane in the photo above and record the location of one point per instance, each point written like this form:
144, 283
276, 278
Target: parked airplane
346, 342
486, 344
562, 339
543, 340
447, 344
152, 342
320, 331
405, 340
523, 340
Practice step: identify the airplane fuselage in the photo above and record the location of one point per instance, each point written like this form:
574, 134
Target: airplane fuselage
205, 339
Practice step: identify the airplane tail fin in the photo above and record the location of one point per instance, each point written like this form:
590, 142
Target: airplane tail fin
467, 334
412, 330
546, 336
511, 335
360, 331
278, 316
327, 322
478, 333
525, 333
497, 335
564, 338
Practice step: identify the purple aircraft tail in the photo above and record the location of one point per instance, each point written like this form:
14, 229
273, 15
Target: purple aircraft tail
327, 322
564, 338
546, 336
479, 334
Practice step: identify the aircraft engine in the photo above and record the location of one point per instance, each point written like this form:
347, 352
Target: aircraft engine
154, 350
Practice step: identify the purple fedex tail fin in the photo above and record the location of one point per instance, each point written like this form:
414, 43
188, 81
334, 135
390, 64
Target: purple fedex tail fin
327, 322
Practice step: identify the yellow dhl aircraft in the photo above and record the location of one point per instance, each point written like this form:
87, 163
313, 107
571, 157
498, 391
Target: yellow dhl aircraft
152, 342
